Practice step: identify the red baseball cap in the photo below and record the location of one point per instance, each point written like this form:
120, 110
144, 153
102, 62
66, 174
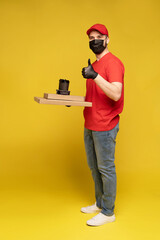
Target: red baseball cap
98, 27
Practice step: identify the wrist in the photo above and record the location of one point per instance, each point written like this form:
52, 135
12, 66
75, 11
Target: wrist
96, 76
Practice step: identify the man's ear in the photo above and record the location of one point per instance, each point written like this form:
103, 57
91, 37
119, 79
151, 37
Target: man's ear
107, 40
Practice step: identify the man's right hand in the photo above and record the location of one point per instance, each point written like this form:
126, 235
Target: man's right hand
88, 72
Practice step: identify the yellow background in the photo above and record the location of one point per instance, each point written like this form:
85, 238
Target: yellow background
44, 177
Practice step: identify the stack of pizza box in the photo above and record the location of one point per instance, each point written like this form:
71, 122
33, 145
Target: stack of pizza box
58, 99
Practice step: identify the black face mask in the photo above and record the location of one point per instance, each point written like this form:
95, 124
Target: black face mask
97, 46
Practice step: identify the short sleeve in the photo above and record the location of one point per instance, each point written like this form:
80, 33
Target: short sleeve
115, 72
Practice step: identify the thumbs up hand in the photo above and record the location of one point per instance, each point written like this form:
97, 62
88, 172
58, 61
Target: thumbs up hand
88, 72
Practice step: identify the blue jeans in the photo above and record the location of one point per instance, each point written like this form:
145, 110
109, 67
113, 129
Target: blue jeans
100, 151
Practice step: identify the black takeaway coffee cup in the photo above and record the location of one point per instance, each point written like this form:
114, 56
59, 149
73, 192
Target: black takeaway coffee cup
63, 87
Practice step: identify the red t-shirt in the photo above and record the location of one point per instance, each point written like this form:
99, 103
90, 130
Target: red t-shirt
104, 113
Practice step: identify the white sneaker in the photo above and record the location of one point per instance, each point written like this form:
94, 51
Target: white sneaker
100, 219
91, 209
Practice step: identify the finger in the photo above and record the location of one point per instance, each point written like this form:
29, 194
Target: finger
89, 62
83, 72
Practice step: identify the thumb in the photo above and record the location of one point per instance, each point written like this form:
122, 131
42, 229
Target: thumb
89, 62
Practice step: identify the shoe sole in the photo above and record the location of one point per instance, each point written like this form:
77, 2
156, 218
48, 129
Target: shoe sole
95, 211
96, 225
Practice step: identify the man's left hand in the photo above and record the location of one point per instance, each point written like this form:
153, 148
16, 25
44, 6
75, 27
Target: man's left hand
88, 72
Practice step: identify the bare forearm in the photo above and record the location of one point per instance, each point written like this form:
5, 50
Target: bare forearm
112, 90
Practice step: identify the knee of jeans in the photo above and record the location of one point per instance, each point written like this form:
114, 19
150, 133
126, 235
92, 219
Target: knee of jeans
107, 169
